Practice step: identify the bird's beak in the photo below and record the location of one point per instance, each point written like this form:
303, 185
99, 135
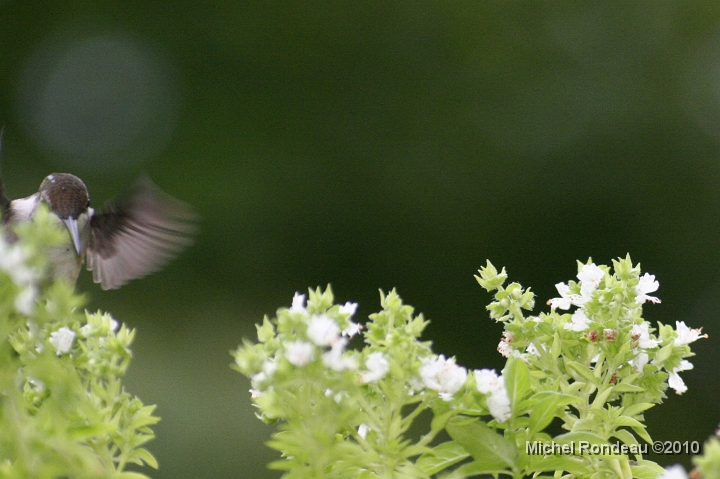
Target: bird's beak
72, 226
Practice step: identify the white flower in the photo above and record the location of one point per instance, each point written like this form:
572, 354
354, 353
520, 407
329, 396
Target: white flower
25, 301
498, 403
336, 360
639, 362
12, 261
487, 380
269, 366
590, 277
674, 379
646, 285
337, 397
676, 471
642, 333
443, 376
363, 429
323, 330
62, 340
579, 321
377, 367
414, 384
298, 352
504, 348
37, 384
348, 308
298, 304
351, 329
86, 330
89, 329
532, 350
257, 380
687, 335
565, 299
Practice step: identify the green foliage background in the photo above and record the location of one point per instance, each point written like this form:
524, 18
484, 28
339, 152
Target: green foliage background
394, 144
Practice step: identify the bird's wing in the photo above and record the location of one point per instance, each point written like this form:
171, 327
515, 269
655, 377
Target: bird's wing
137, 235
4, 200
21, 209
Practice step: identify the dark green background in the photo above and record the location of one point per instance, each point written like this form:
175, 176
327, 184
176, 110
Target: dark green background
388, 144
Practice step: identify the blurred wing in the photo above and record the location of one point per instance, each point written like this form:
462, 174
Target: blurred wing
138, 235
4, 200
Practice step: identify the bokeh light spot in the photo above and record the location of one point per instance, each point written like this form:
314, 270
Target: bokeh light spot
102, 102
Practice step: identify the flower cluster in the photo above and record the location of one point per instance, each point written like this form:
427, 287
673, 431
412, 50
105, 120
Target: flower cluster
65, 411
443, 375
14, 263
323, 340
498, 401
591, 364
303, 371
587, 291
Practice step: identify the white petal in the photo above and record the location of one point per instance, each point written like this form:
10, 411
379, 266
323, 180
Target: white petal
351, 329
377, 367
323, 330
687, 335
498, 403
62, 340
590, 276
486, 380
348, 308
298, 303
579, 322
443, 376
299, 353
676, 382
676, 471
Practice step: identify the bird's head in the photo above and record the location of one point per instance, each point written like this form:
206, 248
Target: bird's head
68, 198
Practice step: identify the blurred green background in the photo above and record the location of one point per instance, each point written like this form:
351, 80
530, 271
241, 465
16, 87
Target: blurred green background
375, 145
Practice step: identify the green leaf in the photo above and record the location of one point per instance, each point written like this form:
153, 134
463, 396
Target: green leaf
517, 380
438, 422
627, 421
625, 436
491, 451
542, 414
664, 353
145, 456
558, 463
265, 332
475, 468
582, 371
130, 475
577, 437
637, 408
556, 348
563, 400
601, 398
489, 277
628, 388
640, 431
645, 469
441, 457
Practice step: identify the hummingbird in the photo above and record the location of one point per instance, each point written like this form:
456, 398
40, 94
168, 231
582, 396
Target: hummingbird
127, 239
